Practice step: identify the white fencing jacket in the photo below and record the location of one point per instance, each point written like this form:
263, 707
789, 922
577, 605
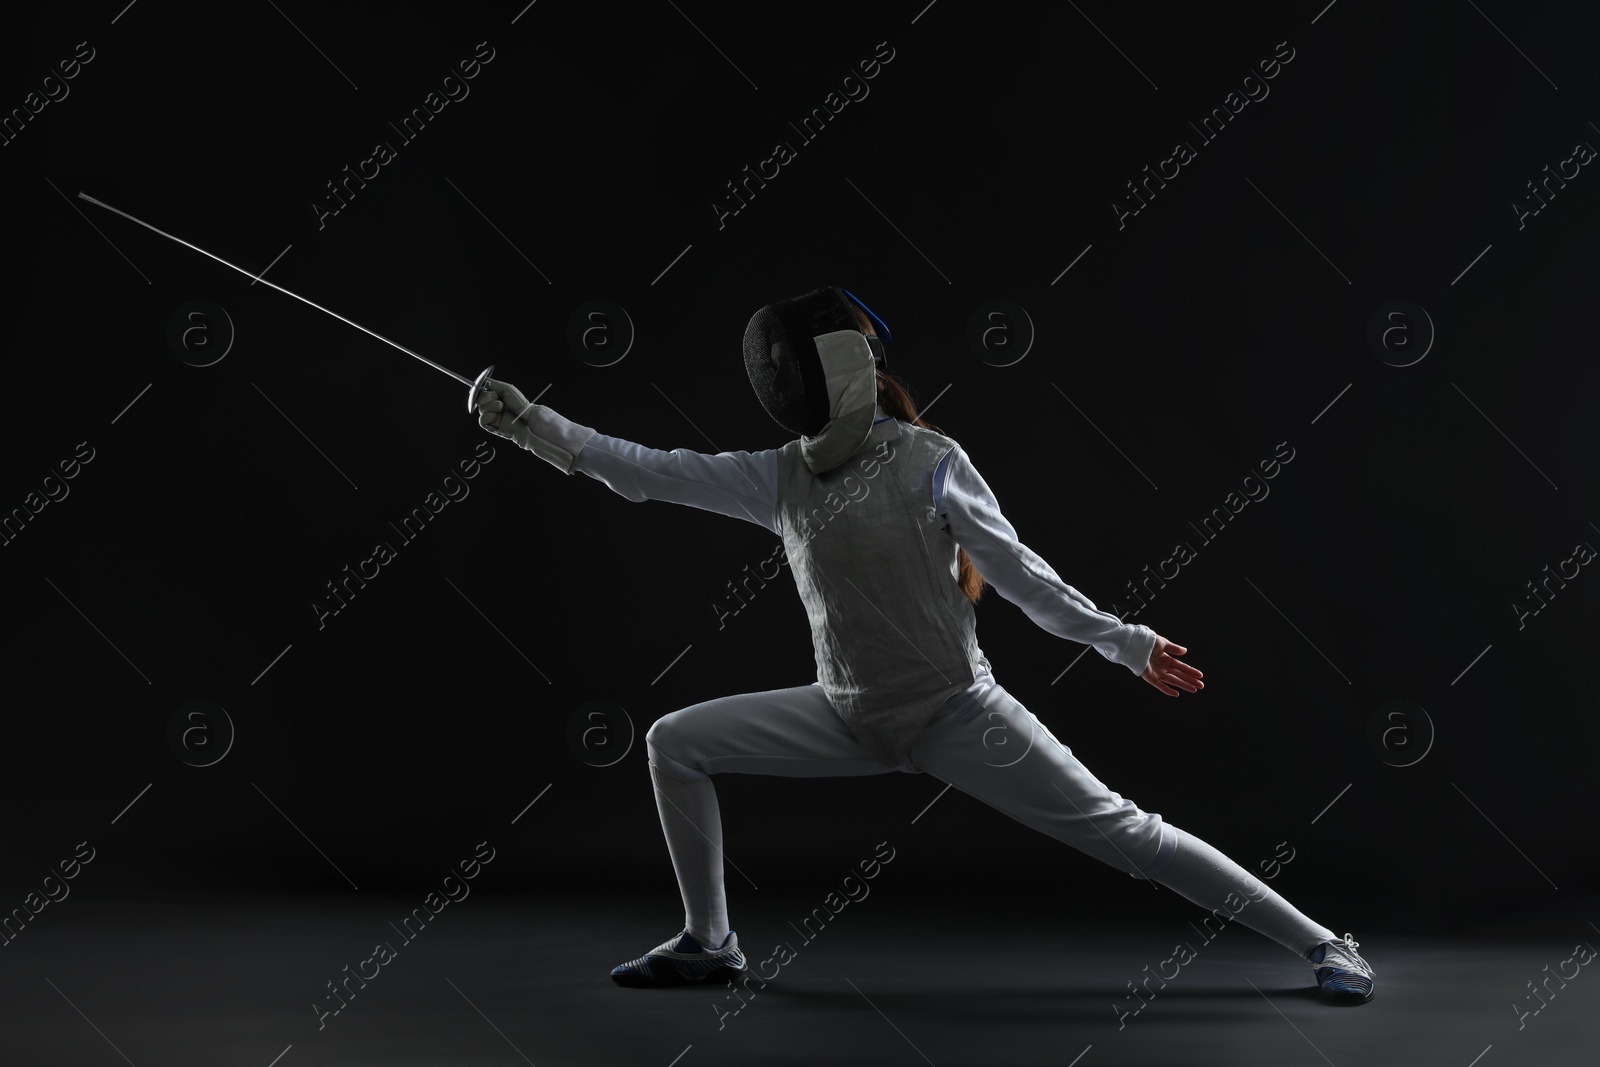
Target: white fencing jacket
872, 546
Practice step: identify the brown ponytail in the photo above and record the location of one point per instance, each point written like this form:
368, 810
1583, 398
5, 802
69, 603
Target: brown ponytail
896, 401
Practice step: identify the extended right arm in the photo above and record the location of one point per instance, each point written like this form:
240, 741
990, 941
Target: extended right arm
742, 485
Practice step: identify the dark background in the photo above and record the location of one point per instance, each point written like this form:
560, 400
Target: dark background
1178, 351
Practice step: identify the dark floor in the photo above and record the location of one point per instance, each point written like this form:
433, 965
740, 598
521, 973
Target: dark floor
206, 982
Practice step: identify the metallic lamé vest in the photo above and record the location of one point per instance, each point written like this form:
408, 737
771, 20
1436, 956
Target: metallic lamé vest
893, 634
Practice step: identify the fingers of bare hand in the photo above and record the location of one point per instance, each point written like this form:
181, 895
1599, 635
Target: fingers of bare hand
1178, 665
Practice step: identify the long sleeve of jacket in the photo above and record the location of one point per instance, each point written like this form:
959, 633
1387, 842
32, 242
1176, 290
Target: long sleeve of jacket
968, 509
741, 485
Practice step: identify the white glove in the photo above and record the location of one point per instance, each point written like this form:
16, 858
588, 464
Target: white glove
505, 412
499, 404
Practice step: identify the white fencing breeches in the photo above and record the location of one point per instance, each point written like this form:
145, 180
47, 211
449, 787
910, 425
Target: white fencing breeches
984, 743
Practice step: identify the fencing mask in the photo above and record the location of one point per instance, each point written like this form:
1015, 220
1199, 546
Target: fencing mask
815, 373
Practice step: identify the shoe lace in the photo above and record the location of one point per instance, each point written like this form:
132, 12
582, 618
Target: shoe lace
1348, 949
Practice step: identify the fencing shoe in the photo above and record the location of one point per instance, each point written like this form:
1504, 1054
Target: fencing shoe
680, 960
1342, 975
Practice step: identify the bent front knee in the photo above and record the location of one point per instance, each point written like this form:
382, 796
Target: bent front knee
662, 744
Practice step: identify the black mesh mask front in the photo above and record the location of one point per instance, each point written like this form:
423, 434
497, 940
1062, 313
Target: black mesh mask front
780, 356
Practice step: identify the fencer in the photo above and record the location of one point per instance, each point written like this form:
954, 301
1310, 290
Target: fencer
891, 535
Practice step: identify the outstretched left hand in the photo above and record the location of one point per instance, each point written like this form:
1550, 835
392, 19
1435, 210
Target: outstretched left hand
1165, 670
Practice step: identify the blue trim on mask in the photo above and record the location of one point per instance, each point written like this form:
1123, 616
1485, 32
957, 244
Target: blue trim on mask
882, 327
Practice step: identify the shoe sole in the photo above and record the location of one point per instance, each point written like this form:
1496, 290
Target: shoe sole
1342, 996
673, 978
